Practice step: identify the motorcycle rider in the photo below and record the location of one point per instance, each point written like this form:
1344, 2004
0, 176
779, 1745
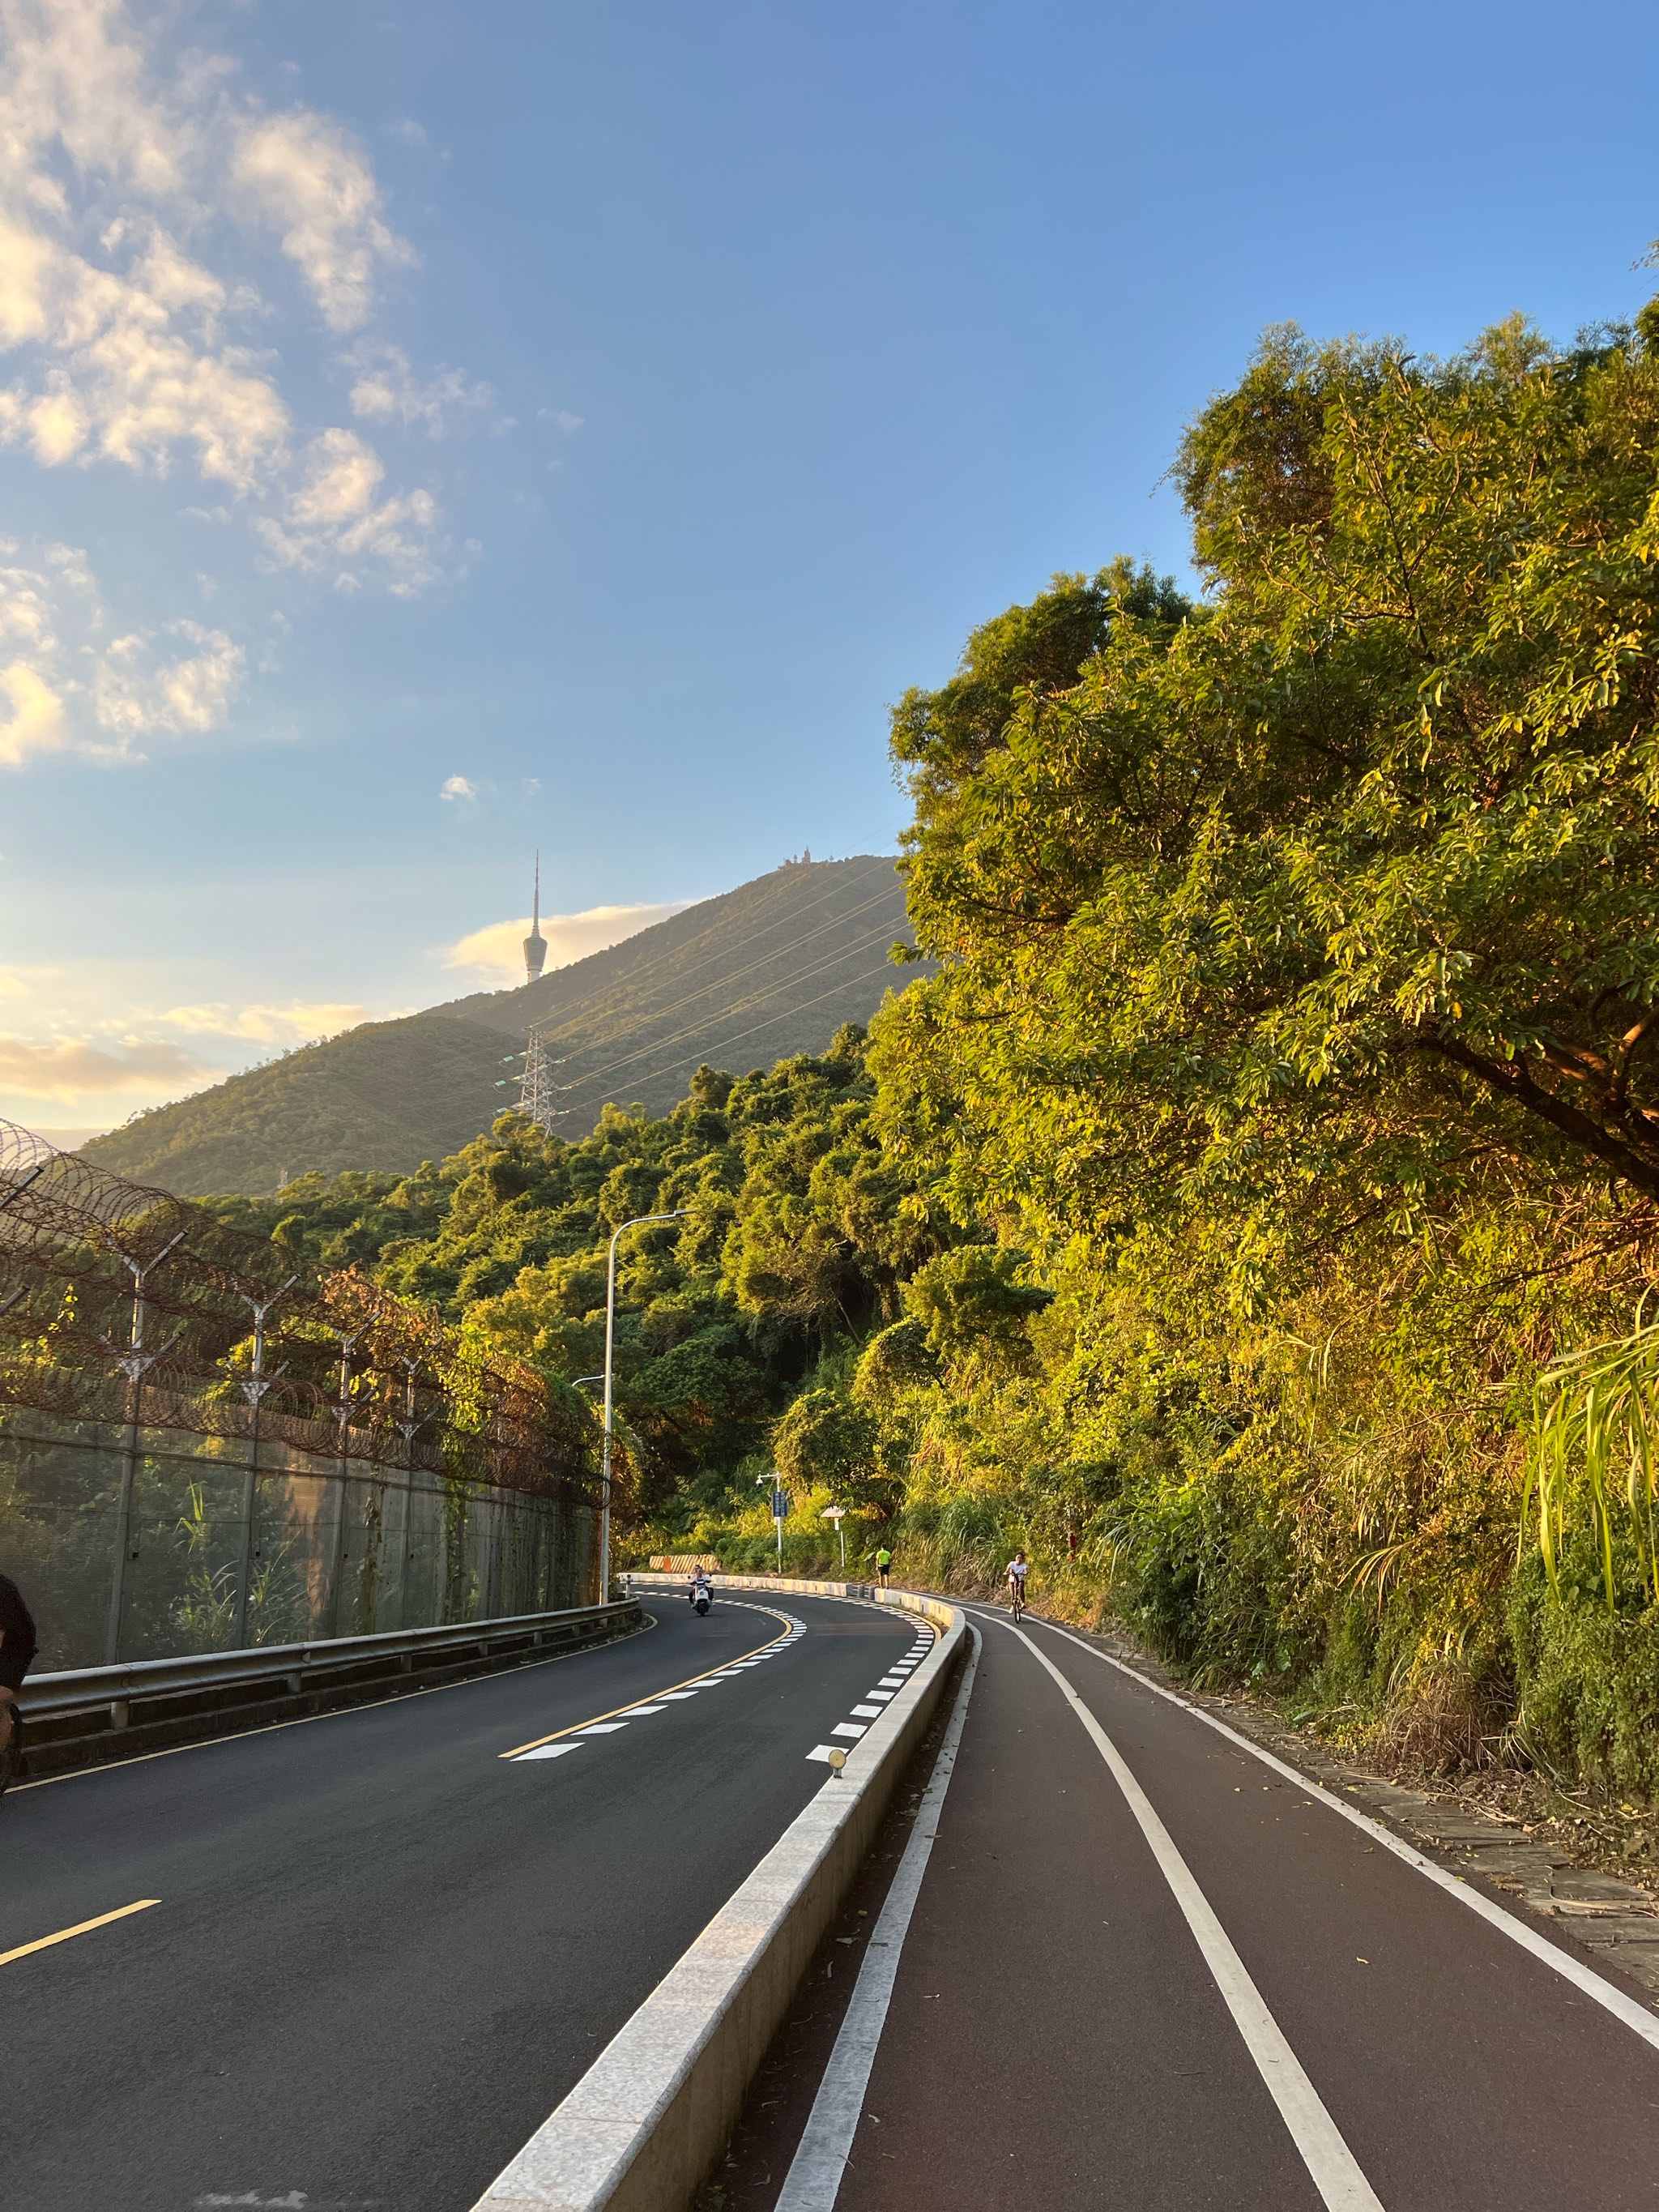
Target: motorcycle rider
700, 1585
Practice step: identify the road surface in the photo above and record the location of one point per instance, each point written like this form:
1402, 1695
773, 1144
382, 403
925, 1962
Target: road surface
1059, 2034
382, 1952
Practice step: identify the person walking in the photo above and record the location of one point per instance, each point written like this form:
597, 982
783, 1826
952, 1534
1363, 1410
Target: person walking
18, 1645
883, 1560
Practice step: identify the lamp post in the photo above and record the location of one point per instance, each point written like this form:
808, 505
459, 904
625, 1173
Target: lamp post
639, 1221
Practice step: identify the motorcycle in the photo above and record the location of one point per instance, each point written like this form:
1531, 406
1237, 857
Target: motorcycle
701, 1598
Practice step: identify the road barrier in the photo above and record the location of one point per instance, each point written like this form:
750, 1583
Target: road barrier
93, 1714
652, 2115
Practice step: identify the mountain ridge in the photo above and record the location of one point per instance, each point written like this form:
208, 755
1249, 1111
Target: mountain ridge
771, 968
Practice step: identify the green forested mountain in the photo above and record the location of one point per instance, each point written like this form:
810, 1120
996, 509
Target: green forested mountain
1256, 1211
772, 968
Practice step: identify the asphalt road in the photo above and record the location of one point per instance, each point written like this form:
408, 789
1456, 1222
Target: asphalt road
382, 1953
1056, 2040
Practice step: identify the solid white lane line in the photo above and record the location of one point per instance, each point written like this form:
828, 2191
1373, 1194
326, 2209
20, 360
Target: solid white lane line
1335, 2171
815, 2174
1583, 1978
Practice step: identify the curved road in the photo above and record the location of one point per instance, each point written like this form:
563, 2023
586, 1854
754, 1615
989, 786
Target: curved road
382, 1950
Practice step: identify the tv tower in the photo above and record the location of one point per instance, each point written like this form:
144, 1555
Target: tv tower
535, 945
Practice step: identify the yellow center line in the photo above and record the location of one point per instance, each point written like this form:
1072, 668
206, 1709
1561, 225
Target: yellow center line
80, 1928
593, 1718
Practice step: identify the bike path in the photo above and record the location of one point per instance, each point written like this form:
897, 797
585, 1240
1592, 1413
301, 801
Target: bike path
383, 1952
1055, 2038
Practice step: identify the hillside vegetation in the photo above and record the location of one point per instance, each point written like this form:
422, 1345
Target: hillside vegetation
1253, 1212
772, 968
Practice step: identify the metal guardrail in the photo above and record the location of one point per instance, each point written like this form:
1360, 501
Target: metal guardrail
291, 1669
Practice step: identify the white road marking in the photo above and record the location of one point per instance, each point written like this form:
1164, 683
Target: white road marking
867, 1712
1335, 2171
814, 2175
674, 1696
546, 1751
849, 1728
601, 1727
891, 1682
883, 1696
632, 1710
1570, 1969
821, 1750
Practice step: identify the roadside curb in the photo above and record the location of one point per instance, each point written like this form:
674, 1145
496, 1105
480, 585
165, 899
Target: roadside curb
652, 2115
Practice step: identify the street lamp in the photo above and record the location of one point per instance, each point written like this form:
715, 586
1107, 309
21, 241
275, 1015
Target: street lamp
639, 1221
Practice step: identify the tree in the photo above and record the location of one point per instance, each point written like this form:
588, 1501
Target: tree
1316, 902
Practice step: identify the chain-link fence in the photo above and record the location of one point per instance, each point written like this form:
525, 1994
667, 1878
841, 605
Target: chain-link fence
205, 1443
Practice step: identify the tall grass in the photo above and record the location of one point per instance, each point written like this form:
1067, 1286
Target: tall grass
1591, 1469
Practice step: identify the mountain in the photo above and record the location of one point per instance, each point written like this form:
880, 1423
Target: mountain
770, 968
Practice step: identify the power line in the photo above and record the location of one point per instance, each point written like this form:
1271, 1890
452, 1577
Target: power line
608, 1067
663, 958
690, 997
669, 1067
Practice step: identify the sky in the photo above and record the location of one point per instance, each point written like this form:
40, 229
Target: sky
432, 434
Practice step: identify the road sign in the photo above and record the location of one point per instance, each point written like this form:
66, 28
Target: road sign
779, 1505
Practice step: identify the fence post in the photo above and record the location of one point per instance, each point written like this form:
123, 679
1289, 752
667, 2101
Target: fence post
342, 1412
135, 1363
255, 1384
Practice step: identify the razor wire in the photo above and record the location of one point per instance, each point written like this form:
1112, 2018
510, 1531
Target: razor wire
122, 1302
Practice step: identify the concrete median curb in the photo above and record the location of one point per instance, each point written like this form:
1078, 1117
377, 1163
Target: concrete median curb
649, 2118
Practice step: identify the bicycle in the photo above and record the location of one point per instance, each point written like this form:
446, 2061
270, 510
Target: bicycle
1017, 1597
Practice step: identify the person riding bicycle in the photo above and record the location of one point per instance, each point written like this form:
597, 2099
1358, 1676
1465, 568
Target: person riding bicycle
17, 1648
1015, 1573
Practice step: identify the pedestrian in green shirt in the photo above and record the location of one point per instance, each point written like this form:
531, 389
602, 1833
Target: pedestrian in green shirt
883, 1560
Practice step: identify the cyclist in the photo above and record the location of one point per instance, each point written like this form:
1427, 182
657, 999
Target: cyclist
883, 1560
17, 1647
1016, 1572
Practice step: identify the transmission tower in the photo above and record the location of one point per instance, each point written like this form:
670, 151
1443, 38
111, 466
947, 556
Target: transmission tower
538, 1091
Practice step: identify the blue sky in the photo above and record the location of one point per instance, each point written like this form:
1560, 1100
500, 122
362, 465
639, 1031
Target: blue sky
431, 431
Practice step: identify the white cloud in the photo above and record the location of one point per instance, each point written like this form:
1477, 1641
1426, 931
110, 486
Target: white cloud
65, 685
388, 390
496, 952
408, 130
458, 788
294, 1023
138, 199
306, 176
333, 520
69, 1069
